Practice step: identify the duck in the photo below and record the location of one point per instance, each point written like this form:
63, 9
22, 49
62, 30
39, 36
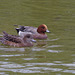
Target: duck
37, 33
17, 41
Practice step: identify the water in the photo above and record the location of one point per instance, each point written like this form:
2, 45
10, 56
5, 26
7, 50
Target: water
53, 56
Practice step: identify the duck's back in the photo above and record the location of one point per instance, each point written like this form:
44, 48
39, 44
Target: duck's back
30, 29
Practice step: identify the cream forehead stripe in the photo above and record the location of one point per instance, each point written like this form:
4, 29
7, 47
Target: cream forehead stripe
45, 26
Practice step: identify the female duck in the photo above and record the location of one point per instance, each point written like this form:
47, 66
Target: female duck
37, 33
17, 41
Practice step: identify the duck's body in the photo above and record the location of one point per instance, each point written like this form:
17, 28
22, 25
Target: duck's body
37, 33
17, 41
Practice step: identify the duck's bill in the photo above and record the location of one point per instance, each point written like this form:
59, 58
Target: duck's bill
33, 40
48, 31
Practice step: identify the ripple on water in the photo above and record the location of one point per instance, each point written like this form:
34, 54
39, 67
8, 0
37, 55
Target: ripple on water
1, 35
54, 51
33, 67
38, 49
29, 58
10, 65
3, 73
52, 46
11, 55
69, 71
53, 39
13, 49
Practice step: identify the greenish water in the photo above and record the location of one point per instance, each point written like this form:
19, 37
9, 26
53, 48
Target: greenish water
53, 56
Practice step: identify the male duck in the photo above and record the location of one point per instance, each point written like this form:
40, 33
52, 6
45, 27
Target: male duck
17, 41
38, 33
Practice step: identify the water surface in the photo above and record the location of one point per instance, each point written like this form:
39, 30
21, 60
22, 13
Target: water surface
53, 56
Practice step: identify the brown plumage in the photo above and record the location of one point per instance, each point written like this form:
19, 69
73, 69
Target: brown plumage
17, 41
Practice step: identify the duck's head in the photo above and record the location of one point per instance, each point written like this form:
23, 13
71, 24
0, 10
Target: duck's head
42, 29
28, 38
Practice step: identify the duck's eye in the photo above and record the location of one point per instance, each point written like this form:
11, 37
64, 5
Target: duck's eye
43, 27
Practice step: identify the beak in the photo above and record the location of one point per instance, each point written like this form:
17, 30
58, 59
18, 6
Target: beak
48, 31
33, 40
